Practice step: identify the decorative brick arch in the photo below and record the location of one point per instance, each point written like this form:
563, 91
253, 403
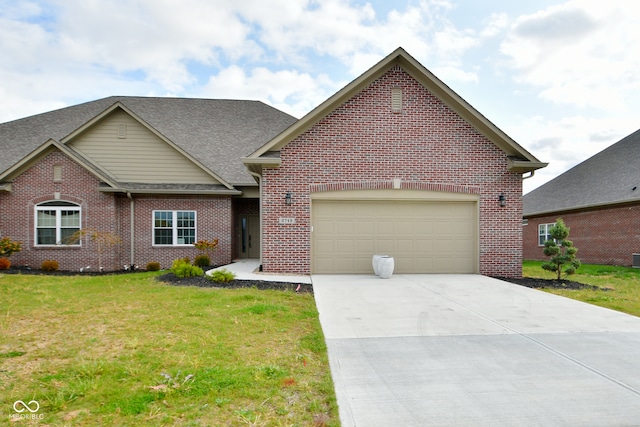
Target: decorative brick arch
391, 184
63, 198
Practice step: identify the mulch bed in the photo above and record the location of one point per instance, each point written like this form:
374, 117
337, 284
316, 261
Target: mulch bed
172, 279
89, 272
531, 282
203, 282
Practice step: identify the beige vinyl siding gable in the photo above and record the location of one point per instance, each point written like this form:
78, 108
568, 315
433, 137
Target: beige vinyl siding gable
132, 153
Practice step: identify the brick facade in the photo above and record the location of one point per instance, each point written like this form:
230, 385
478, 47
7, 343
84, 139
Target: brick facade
603, 236
362, 141
36, 185
104, 212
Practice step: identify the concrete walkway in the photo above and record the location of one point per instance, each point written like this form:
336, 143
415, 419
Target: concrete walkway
467, 350
248, 269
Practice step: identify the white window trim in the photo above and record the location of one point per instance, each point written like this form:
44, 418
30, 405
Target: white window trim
58, 209
548, 226
174, 228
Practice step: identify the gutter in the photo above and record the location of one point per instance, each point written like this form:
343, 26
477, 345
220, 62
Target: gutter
171, 192
132, 206
258, 178
582, 208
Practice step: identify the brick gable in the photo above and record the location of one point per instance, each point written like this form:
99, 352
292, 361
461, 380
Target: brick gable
105, 212
426, 144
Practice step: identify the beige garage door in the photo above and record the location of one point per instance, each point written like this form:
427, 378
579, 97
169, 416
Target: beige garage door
422, 236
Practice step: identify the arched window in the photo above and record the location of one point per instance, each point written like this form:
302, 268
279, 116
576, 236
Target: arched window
57, 223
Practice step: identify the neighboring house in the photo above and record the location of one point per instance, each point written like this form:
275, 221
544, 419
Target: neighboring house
599, 200
394, 163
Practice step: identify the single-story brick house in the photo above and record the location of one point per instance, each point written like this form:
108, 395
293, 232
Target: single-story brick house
598, 199
394, 163
160, 173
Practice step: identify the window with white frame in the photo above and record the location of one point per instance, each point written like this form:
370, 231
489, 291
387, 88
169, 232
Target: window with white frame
543, 233
174, 228
57, 223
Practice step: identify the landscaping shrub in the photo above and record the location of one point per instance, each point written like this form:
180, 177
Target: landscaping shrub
561, 251
202, 260
8, 247
153, 266
207, 247
5, 263
222, 276
49, 265
183, 268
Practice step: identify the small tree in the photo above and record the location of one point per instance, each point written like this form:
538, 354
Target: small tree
102, 239
561, 250
8, 247
207, 247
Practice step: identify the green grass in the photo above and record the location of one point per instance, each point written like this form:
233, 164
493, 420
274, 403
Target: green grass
623, 284
127, 350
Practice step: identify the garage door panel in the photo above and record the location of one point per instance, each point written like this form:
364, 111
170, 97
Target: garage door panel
422, 236
405, 228
324, 246
384, 246
385, 227
363, 264
365, 228
404, 264
345, 228
345, 246
365, 246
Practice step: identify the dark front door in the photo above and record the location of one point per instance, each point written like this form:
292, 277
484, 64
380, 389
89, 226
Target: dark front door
249, 236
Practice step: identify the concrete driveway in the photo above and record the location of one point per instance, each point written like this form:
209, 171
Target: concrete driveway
455, 350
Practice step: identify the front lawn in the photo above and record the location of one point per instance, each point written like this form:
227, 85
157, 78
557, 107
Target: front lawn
619, 286
128, 350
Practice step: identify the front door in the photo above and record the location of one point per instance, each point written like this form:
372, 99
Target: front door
249, 236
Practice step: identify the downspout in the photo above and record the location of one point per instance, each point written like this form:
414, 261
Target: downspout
258, 177
531, 173
132, 205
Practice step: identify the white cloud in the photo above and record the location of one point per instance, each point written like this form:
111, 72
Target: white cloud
579, 53
74, 50
289, 90
566, 141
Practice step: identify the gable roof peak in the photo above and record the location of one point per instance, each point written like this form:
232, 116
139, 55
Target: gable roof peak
521, 160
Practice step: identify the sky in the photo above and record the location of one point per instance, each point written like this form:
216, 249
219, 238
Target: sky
562, 78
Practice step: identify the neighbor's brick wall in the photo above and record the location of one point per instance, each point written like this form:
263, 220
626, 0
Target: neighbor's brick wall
36, 185
362, 140
602, 236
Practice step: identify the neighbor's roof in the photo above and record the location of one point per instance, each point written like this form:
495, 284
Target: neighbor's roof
218, 133
519, 159
610, 177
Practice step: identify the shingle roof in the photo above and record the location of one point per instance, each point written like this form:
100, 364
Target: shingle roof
609, 177
218, 133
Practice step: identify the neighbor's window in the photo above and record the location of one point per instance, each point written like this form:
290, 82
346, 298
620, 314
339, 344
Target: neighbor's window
57, 223
173, 228
543, 233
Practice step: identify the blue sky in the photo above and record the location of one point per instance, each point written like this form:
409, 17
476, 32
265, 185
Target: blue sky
560, 77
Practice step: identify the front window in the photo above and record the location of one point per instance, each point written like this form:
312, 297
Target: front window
57, 223
174, 228
543, 233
